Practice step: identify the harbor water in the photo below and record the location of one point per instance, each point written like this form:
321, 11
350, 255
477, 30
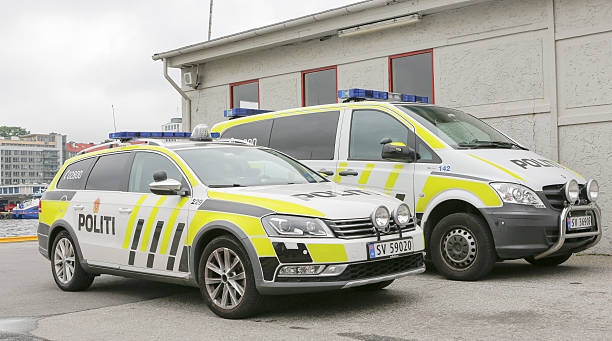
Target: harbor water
18, 227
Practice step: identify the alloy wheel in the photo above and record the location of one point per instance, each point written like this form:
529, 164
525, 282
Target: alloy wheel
225, 278
64, 260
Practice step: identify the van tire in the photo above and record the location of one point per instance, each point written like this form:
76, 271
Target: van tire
69, 257
462, 247
374, 286
250, 301
548, 261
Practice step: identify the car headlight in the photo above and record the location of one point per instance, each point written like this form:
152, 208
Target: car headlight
592, 190
402, 215
380, 219
517, 194
572, 191
294, 226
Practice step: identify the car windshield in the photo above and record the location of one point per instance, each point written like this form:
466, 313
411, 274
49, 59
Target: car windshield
458, 129
233, 166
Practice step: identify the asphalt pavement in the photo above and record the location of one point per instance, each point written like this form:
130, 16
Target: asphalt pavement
517, 301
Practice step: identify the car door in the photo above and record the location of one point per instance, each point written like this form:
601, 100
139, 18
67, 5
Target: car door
310, 138
157, 224
360, 161
100, 220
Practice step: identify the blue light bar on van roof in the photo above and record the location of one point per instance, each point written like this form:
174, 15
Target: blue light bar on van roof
241, 112
380, 95
124, 135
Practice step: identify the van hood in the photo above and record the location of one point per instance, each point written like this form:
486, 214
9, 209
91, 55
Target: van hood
521, 166
325, 200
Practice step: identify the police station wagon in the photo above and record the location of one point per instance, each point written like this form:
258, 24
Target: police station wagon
479, 195
238, 221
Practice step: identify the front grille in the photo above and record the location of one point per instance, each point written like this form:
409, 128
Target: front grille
556, 196
369, 269
361, 228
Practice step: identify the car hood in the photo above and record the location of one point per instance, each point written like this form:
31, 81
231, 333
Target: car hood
325, 200
521, 166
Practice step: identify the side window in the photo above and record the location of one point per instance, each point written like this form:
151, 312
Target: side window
145, 165
368, 127
257, 132
75, 175
307, 136
110, 173
245, 94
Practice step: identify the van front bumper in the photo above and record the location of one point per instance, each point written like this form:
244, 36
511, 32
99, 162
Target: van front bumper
356, 274
522, 231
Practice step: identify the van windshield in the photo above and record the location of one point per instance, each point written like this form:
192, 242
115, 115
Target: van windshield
458, 129
231, 166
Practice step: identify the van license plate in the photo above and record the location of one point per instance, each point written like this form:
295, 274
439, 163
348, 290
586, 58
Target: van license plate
577, 223
389, 248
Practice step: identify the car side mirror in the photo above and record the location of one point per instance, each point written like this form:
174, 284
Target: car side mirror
164, 186
399, 152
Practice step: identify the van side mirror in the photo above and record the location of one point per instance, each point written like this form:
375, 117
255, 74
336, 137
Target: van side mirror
399, 152
164, 186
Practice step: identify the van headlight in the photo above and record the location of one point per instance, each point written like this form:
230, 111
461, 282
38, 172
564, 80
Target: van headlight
517, 194
402, 215
592, 190
572, 191
294, 226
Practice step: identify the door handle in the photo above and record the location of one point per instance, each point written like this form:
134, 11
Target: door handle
125, 210
349, 172
326, 172
78, 207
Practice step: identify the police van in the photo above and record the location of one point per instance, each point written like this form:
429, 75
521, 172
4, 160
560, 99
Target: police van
479, 195
237, 220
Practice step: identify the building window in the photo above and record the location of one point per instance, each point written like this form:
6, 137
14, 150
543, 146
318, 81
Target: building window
320, 86
245, 94
412, 73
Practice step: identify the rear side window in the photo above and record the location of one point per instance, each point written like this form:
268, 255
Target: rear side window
75, 175
145, 165
257, 133
110, 173
306, 137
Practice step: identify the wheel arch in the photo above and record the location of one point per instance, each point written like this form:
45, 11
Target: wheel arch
59, 226
217, 228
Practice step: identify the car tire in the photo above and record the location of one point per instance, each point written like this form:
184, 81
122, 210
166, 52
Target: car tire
548, 261
229, 290
66, 267
462, 247
374, 286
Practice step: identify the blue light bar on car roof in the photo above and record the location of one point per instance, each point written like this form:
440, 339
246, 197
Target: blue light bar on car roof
124, 135
241, 112
380, 95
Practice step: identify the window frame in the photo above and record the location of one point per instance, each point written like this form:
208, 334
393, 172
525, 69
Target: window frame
232, 85
185, 178
390, 62
305, 72
436, 157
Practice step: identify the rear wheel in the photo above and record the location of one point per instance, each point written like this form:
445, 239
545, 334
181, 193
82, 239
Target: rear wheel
226, 279
549, 261
374, 286
66, 265
462, 247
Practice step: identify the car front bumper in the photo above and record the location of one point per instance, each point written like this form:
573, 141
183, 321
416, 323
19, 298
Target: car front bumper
521, 231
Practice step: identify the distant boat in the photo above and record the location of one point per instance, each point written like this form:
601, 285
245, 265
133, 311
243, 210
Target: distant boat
26, 210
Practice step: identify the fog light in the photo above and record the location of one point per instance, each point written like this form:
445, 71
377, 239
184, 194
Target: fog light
300, 270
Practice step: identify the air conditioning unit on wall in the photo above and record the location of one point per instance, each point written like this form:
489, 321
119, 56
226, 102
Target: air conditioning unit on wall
190, 79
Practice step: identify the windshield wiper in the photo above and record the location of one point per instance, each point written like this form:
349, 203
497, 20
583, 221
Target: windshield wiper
489, 144
228, 185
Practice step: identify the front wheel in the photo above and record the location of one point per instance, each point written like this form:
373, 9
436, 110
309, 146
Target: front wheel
66, 265
226, 279
548, 261
462, 247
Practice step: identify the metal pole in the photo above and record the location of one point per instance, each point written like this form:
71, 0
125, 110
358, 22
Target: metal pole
114, 121
210, 18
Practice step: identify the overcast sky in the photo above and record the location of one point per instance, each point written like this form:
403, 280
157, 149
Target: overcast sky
64, 63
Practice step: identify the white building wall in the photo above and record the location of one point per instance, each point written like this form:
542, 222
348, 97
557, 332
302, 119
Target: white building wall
539, 70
